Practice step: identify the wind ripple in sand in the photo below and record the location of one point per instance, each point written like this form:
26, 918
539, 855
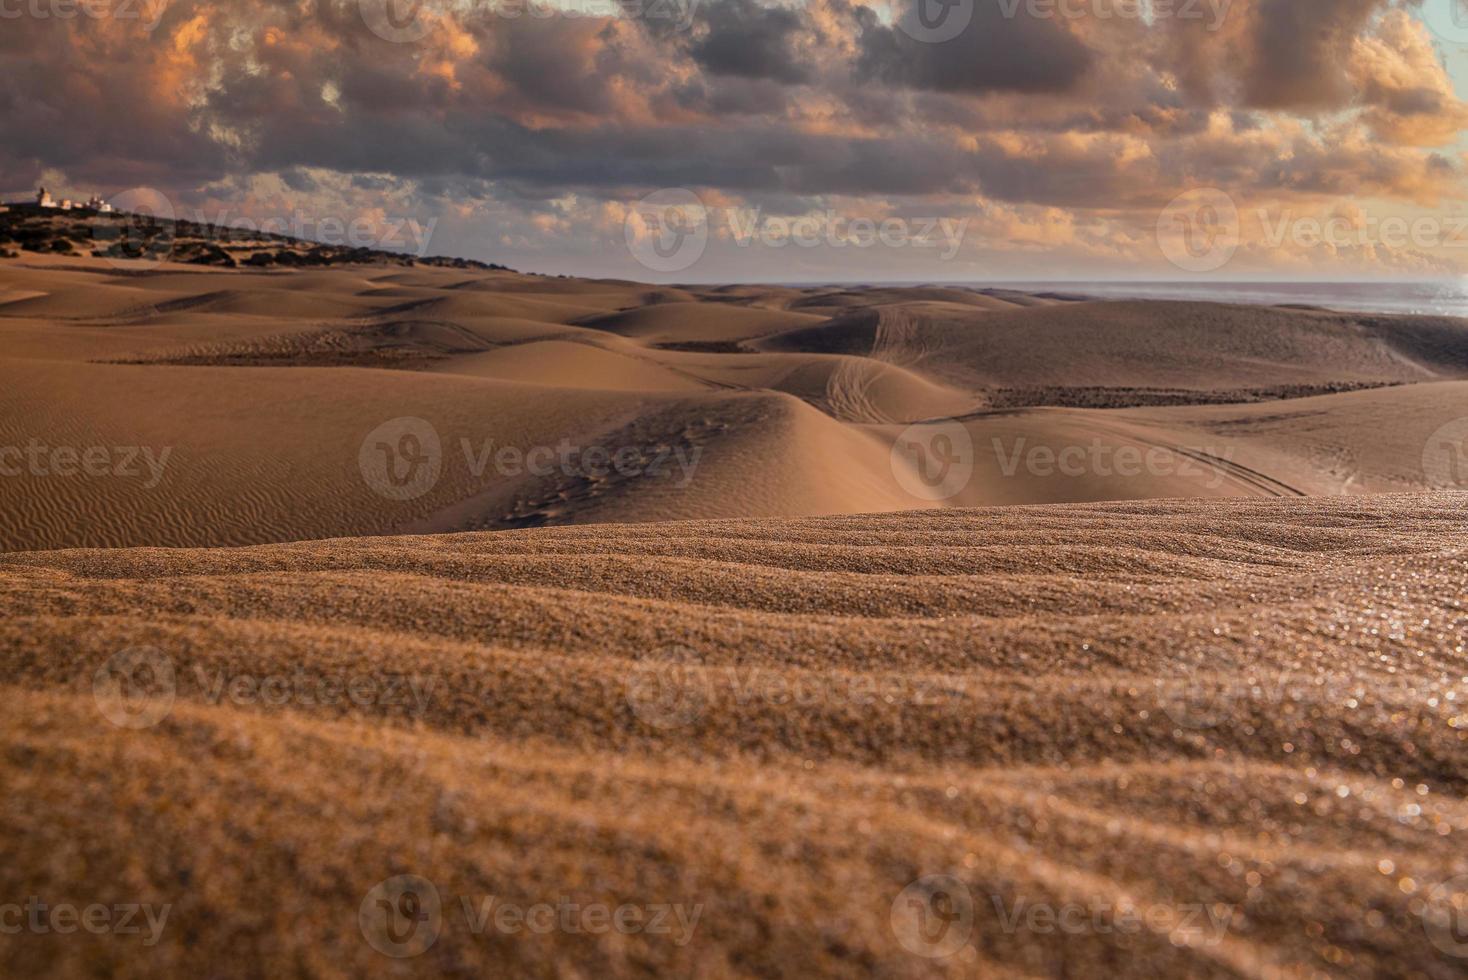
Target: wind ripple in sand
1240, 718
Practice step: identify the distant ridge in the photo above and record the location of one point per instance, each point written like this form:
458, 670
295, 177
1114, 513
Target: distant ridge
124, 235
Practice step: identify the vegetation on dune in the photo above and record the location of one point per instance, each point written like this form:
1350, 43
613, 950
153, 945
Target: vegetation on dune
121, 235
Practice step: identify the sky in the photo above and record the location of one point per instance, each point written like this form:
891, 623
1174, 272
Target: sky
743, 140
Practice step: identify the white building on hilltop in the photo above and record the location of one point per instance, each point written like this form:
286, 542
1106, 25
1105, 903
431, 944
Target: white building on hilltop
93, 203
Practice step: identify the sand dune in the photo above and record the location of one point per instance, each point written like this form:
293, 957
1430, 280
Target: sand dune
1237, 717
296, 469
788, 681
1182, 345
682, 323
264, 388
1376, 441
836, 299
851, 389
573, 365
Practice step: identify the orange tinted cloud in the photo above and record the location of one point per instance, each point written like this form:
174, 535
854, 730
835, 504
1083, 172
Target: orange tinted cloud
1069, 133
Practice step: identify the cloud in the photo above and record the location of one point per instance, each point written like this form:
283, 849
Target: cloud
1078, 128
746, 39
1300, 49
993, 53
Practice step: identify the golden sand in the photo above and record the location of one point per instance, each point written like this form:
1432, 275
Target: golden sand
1239, 723
284, 710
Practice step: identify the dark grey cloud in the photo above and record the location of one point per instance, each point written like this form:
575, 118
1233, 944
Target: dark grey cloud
993, 53
749, 40
1300, 50
755, 101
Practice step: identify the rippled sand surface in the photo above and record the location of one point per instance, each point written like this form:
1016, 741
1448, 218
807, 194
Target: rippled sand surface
1206, 738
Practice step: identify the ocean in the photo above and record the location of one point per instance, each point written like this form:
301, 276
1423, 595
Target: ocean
1446, 298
